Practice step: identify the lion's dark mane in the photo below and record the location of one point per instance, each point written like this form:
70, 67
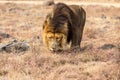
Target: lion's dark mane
61, 15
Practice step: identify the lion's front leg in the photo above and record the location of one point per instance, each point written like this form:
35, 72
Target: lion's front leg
75, 42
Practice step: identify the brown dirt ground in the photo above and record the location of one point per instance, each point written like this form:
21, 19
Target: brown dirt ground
24, 22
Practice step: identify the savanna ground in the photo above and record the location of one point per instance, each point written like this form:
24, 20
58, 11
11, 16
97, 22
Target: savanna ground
99, 58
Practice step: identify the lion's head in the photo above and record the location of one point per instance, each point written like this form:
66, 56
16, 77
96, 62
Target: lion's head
54, 37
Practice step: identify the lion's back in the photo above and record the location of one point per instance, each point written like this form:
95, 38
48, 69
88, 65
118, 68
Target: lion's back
79, 15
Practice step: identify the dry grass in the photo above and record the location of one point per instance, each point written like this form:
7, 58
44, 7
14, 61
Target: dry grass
24, 22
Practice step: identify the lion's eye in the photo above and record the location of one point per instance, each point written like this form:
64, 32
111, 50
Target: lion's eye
58, 38
50, 38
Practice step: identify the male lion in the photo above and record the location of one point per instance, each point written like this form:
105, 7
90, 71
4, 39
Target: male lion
63, 25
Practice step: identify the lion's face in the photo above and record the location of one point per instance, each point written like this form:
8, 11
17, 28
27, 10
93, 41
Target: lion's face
55, 41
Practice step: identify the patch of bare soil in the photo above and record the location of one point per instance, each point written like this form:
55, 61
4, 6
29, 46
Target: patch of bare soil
99, 58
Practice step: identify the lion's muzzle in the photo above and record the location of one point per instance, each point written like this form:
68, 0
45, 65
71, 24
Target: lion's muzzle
55, 46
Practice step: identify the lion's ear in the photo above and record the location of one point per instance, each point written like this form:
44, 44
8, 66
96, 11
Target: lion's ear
47, 20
